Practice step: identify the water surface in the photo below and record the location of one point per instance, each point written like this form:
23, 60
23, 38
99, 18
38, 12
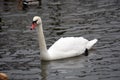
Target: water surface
19, 50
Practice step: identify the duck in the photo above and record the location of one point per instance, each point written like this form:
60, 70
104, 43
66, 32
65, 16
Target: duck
65, 47
3, 76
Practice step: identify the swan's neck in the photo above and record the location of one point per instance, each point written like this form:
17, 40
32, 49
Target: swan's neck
42, 43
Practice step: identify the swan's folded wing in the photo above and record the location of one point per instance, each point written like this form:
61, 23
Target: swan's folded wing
68, 46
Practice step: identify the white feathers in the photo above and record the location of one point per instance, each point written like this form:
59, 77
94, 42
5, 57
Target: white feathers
69, 47
91, 43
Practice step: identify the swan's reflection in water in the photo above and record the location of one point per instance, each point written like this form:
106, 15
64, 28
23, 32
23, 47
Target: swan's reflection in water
61, 69
43, 70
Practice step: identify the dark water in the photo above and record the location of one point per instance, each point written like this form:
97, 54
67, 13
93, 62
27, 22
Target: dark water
19, 50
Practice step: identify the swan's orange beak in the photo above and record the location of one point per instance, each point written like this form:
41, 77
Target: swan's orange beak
33, 25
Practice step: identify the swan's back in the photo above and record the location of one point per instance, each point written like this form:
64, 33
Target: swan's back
68, 47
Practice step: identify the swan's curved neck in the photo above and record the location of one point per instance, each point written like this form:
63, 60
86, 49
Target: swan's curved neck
42, 43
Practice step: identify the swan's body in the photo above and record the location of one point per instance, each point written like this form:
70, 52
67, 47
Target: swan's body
64, 47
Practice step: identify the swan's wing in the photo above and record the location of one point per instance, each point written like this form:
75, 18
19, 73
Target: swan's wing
69, 46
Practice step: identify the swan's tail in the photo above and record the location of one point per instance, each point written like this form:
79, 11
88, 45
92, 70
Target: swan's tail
91, 43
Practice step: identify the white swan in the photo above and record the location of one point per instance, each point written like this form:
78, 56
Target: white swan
64, 47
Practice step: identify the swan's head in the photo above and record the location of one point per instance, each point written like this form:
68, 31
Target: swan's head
36, 21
